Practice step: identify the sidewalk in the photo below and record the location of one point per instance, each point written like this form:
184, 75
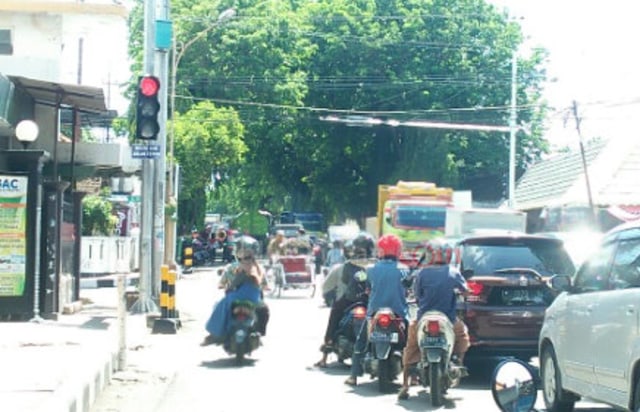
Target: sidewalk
61, 366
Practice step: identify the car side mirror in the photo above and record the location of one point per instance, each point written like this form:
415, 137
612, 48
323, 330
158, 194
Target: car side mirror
513, 386
561, 282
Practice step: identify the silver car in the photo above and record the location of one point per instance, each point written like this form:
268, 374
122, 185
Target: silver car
589, 344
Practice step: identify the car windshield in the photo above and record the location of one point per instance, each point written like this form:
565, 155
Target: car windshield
420, 216
484, 257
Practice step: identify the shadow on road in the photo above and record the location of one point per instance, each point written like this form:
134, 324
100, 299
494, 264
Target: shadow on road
420, 400
332, 369
228, 363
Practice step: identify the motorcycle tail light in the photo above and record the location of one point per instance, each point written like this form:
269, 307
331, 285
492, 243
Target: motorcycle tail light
359, 312
433, 328
384, 320
241, 316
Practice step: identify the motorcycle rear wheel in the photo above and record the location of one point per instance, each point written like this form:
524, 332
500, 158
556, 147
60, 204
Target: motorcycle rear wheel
436, 389
384, 375
239, 357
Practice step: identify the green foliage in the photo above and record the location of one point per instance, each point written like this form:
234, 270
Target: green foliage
283, 64
207, 139
97, 217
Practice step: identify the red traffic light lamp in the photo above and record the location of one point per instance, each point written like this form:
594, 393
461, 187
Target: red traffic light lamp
147, 108
149, 86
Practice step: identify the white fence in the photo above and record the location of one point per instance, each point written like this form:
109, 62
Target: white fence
106, 255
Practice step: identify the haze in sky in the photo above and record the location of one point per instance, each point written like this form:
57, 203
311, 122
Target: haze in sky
593, 60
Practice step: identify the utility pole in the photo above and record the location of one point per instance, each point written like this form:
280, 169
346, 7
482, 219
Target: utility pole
159, 180
145, 304
512, 132
584, 163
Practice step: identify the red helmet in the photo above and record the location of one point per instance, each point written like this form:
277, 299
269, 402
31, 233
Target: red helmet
438, 253
389, 245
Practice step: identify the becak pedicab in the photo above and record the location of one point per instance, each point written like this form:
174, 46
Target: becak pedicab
294, 269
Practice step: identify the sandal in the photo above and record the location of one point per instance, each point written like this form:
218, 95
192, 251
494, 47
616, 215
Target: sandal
403, 394
320, 364
351, 381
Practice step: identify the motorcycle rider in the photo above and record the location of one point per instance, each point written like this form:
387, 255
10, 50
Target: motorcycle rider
243, 280
435, 288
336, 254
276, 246
351, 276
386, 281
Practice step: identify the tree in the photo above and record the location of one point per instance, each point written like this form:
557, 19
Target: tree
97, 215
207, 138
283, 64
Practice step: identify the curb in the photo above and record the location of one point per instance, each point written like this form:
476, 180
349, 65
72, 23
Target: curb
80, 392
107, 281
91, 375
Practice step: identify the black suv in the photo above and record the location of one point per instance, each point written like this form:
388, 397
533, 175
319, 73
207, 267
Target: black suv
507, 274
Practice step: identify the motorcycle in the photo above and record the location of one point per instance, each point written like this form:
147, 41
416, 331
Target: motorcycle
387, 338
243, 338
353, 319
436, 368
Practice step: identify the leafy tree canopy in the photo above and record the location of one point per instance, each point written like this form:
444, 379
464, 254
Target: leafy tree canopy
286, 66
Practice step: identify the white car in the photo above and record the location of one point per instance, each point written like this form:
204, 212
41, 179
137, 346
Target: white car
589, 344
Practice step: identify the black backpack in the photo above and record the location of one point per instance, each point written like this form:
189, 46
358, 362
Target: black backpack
356, 289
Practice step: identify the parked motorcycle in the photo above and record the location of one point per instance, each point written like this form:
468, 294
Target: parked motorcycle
353, 319
243, 338
436, 339
387, 338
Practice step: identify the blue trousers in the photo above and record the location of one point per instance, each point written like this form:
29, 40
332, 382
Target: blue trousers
218, 323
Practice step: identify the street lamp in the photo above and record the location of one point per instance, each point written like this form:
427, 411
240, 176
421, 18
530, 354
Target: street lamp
176, 56
27, 132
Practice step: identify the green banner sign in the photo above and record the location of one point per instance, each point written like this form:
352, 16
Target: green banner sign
13, 231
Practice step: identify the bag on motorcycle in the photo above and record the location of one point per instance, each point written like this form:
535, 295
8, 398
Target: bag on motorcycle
356, 288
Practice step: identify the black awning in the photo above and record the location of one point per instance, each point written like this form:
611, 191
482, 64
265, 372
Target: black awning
83, 98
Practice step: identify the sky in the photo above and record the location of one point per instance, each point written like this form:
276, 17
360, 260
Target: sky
594, 59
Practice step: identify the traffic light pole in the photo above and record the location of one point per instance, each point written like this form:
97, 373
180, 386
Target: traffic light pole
161, 70
145, 304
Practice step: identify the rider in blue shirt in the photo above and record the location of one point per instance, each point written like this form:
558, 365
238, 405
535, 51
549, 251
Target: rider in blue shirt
435, 287
385, 280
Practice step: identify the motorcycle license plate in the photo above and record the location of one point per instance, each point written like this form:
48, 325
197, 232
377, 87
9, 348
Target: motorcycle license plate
384, 337
434, 341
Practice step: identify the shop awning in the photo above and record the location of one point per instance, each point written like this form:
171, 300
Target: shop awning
83, 98
625, 213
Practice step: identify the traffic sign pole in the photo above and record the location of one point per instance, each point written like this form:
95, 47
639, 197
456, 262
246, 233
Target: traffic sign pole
145, 304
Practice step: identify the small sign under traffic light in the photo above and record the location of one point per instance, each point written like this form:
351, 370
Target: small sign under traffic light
147, 108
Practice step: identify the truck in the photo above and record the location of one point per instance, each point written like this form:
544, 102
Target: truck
463, 221
416, 213
313, 222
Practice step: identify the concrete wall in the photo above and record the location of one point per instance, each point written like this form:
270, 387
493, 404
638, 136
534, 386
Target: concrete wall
108, 255
70, 42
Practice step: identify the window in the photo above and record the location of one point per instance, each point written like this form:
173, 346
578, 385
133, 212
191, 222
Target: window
484, 257
593, 274
6, 45
625, 271
420, 217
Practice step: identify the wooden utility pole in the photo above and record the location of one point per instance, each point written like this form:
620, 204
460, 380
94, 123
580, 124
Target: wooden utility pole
584, 163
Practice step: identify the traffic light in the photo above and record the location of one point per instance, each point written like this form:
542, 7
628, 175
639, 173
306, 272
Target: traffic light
147, 108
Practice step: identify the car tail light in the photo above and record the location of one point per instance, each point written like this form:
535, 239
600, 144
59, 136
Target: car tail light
384, 320
475, 288
433, 328
359, 312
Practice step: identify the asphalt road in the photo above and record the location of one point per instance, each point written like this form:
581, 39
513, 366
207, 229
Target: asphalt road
173, 373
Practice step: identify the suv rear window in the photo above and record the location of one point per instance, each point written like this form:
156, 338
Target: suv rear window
485, 256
